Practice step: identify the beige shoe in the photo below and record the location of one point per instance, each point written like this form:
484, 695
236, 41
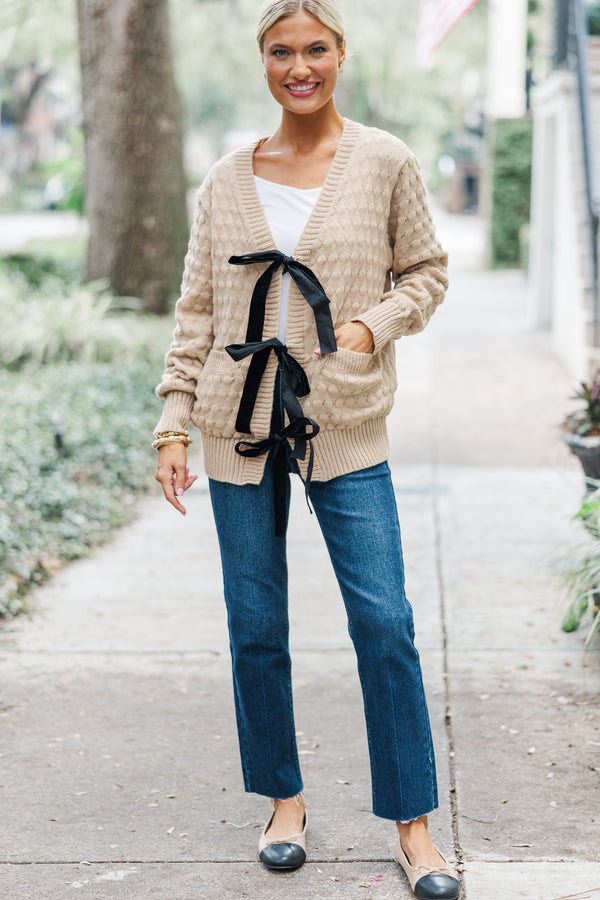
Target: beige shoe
283, 853
429, 883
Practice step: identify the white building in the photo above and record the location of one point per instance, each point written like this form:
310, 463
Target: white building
564, 290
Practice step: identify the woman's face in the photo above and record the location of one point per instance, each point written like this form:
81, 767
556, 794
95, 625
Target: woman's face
302, 62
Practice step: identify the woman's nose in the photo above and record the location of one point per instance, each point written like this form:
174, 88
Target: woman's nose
300, 68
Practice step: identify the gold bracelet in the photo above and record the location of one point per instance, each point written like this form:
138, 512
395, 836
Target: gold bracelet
162, 434
176, 437
157, 444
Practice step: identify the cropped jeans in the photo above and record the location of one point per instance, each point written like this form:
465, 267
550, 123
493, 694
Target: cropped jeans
359, 521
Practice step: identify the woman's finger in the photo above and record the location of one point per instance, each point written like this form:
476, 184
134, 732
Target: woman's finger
172, 475
166, 476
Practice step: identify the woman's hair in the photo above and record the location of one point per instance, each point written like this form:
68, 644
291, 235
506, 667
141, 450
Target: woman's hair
326, 11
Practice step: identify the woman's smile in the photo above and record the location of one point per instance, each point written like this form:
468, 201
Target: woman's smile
306, 89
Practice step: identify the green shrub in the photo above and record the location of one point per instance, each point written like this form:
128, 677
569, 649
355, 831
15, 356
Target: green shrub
33, 270
52, 325
75, 446
510, 158
59, 322
77, 377
592, 14
584, 576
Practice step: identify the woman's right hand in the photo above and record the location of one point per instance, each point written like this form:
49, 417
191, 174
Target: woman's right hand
172, 473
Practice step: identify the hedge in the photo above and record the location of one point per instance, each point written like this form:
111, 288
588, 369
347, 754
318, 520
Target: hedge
75, 450
510, 160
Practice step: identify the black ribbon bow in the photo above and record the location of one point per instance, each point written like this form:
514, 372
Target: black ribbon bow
307, 282
292, 382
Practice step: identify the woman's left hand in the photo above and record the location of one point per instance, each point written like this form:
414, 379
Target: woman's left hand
353, 336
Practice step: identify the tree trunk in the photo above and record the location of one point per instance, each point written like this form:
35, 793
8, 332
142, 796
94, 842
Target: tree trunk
135, 183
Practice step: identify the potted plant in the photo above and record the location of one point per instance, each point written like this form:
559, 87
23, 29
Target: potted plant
583, 431
584, 576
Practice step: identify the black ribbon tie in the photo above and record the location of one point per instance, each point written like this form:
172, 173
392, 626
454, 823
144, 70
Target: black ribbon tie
289, 441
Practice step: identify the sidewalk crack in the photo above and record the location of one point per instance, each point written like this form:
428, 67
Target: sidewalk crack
439, 570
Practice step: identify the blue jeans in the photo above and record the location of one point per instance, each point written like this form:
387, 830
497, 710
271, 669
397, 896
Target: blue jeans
359, 521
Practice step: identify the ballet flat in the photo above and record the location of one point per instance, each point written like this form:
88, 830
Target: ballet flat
429, 883
283, 853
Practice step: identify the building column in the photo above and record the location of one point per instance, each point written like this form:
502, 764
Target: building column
507, 59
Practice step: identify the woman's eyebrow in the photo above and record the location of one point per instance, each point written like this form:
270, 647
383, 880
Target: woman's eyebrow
279, 46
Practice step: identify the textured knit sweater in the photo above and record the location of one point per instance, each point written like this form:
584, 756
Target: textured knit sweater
371, 243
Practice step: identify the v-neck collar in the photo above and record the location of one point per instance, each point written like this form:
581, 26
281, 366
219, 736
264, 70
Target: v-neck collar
254, 211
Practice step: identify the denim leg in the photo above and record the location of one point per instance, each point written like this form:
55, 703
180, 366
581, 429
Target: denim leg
255, 581
359, 520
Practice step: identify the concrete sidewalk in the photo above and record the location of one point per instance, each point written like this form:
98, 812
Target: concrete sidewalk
119, 768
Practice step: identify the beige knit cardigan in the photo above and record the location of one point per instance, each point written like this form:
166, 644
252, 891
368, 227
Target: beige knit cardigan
371, 243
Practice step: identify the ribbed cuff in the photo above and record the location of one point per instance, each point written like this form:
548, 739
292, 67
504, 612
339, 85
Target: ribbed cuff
177, 411
388, 324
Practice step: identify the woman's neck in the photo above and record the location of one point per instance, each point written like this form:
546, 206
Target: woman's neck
303, 135
300, 152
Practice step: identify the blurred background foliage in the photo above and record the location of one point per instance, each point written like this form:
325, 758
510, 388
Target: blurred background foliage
77, 374
220, 79
75, 452
225, 96
510, 145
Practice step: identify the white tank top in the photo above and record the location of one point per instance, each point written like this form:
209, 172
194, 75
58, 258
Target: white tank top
287, 210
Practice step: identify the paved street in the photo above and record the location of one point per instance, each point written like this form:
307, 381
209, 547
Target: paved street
119, 770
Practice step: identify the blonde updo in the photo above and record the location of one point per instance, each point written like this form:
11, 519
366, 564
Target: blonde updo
326, 11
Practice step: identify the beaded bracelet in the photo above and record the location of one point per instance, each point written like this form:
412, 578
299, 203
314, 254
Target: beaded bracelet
171, 437
162, 434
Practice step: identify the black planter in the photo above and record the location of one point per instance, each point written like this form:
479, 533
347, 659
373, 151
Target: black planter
587, 451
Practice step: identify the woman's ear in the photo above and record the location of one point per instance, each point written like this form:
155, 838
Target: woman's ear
342, 54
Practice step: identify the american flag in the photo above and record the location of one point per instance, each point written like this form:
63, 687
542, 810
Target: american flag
437, 19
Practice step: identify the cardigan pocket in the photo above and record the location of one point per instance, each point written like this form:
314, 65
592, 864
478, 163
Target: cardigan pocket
218, 393
350, 360
348, 388
348, 374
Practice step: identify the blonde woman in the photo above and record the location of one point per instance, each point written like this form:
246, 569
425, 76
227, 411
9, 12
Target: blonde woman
311, 252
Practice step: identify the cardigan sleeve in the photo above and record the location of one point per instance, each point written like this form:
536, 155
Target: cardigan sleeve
419, 268
193, 335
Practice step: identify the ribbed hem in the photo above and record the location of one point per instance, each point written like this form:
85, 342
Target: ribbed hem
176, 412
337, 452
346, 450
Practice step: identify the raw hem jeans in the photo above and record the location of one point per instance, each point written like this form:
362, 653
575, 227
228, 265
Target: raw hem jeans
359, 521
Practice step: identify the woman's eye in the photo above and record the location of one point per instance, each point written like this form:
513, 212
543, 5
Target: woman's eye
319, 50
279, 53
